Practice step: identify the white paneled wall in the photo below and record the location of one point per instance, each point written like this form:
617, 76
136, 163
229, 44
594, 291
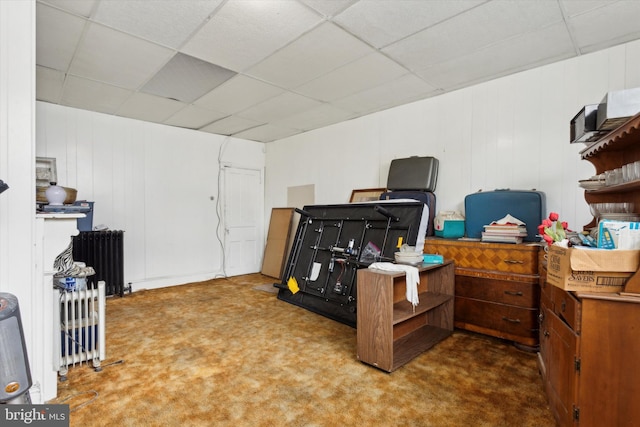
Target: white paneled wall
512, 132
157, 183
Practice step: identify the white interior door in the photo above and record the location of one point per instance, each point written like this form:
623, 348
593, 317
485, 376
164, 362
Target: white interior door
244, 222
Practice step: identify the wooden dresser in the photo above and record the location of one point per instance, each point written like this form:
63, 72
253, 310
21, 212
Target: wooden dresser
496, 287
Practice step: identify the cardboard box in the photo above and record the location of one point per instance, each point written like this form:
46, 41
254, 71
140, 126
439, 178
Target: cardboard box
589, 269
614, 234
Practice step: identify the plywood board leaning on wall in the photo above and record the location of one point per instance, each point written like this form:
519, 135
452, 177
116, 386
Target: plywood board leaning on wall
277, 247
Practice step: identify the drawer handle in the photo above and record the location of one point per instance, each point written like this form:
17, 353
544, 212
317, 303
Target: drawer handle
513, 261
514, 293
546, 333
511, 320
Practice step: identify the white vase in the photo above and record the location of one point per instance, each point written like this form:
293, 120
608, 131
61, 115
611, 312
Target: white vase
55, 194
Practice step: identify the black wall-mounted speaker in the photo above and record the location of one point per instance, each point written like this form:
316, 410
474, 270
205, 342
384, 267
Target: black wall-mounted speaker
15, 376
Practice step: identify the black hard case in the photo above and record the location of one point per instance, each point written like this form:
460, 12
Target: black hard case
413, 174
426, 197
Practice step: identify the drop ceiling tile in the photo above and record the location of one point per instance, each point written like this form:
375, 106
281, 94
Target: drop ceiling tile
407, 87
150, 108
186, 78
193, 117
78, 7
279, 107
479, 27
230, 125
169, 23
576, 7
329, 8
382, 22
57, 36
266, 133
124, 60
94, 96
316, 117
49, 84
365, 73
321, 50
243, 32
591, 35
529, 50
238, 93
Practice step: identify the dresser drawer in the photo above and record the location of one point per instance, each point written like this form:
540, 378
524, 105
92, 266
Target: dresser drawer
508, 319
511, 292
503, 257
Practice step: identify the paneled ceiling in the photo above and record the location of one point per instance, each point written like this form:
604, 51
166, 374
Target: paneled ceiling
267, 69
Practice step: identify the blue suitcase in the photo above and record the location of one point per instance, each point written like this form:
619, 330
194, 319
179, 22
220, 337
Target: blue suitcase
426, 197
484, 207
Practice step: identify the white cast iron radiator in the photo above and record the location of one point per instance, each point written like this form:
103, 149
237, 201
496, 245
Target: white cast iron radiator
81, 317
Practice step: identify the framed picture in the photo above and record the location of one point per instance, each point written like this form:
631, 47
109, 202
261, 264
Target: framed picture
45, 171
366, 194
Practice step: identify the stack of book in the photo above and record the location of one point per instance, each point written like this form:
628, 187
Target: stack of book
504, 233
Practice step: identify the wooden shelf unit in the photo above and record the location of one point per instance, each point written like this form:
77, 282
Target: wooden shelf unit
390, 332
618, 147
589, 342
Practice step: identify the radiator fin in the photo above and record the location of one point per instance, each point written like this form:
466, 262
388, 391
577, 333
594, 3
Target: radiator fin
104, 251
81, 321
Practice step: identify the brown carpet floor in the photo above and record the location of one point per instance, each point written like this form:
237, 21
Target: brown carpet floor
227, 352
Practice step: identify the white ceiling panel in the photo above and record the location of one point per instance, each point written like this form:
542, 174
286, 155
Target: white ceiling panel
237, 94
321, 50
591, 35
166, 23
406, 88
382, 22
243, 32
316, 117
193, 117
576, 7
123, 60
329, 8
365, 73
535, 48
468, 32
49, 84
101, 97
149, 108
279, 107
186, 78
57, 35
78, 7
267, 69
230, 125
266, 133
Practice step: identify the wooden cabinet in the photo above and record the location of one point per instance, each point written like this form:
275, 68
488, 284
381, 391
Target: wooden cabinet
588, 347
496, 287
589, 342
390, 331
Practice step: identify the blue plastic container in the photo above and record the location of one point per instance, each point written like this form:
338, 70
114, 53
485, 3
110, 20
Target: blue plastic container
86, 223
453, 228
